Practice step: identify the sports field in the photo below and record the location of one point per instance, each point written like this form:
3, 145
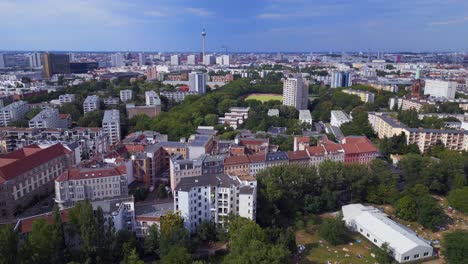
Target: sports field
264, 97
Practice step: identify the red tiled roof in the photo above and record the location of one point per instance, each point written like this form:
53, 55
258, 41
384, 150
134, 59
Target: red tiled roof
25, 225
27, 158
356, 145
64, 116
302, 139
79, 173
315, 151
258, 141
236, 160
257, 158
298, 155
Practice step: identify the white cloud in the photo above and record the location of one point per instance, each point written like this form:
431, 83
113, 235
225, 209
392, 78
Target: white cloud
201, 12
270, 16
154, 13
451, 22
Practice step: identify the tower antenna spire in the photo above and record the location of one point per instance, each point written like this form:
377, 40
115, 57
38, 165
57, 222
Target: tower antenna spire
203, 37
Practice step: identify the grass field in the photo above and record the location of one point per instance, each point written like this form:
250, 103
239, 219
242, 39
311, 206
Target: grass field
265, 97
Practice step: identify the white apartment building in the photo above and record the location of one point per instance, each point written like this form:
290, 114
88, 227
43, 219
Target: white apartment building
366, 97
181, 168
192, 60
47, 118
212, 197
91, 181
13, 112
111, 101
126, 95
208, 60
35, 60
177, 96
66, 98
339, 118
439, 88
175, 60
223, 60
295, 93
386, 126
404, 244
305, 117
111, 125
197, 82
91, 103
117, 60
152, 98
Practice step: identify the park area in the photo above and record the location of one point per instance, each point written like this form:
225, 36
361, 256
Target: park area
264, 97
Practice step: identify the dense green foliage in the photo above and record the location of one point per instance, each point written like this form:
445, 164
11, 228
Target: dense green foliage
396, 145
418, 205
285, 190
333, 230
411, 119
359, 126
382, 254
455, 244
458, 199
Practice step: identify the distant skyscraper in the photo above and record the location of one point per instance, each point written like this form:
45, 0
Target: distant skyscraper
175, 60
192, 60
208, 60
223, 60
141, 59
55, 64
117, 60
72, 56
340, 79
295, 93
2, 60
35, 60
204, 41
197, 82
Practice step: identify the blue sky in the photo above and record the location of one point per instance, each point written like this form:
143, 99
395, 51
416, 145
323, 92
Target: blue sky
242, 25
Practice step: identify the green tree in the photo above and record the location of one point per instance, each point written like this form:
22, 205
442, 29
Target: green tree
92, 119
177, 255
71, 108
206, 231
58, 237
8, 245
173, 233
38, 247
152, 241
333, 230
406, 208
454, 246
162, 193
382, 254
458, 199
211, 120
132, 258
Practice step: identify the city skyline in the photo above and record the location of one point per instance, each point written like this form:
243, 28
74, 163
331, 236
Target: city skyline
255, 26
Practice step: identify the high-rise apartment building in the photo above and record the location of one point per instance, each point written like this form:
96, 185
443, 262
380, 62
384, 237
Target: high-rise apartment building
152, 98
111, 125
295, 93
192, 60
152, 73
208, 60
91, 103
126, 95
2, 60
175, 60
55, 64
66, 98
13, 112
340, 79
117, 60
197, 82
223, 60
141, 59
439, 88
35, 60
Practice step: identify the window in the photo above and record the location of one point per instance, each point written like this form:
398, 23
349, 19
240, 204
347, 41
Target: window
368, 235
426, 254
416, 256
375, 240
406, 258
360, 229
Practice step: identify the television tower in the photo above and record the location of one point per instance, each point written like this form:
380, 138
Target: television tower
203, 33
